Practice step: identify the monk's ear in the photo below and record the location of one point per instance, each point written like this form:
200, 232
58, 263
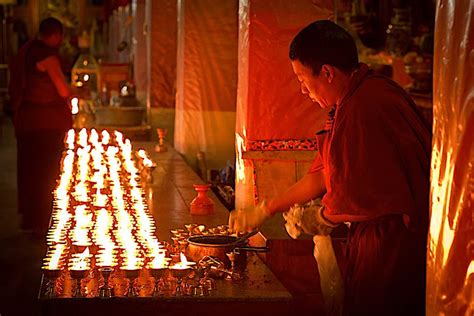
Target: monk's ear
327, 71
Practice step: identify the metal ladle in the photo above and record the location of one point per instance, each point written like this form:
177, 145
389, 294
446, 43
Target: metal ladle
244, 237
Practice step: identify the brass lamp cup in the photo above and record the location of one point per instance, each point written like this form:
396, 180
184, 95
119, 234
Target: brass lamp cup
175, 240
179, 274
183, 245
161, 147
131, 275
52, 275
158, 274
213, 231
106, 270
177, 231
223, 227
190, 226
78, 275
106, 291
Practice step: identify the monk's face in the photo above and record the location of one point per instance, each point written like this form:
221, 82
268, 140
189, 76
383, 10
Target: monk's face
317, 87
56, 39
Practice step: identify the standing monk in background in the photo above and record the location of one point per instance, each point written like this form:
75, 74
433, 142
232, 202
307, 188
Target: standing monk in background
41, 116
372, 172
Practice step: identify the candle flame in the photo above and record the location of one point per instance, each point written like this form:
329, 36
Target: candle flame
74, 105
105, 137
99, 201
55, 257
184, 263
80, 261
71, 135
159, 261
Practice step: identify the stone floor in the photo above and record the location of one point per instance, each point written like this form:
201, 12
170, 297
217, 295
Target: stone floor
21, 254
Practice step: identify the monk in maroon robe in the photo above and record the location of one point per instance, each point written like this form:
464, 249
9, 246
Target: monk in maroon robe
42, 116
372, 171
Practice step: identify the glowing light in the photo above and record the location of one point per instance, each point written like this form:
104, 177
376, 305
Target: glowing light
80, 261
94, 137
83, 137
124, 90
119, 138
105, 137
74, 105
54, 258
71, 135
183, 264
99, 202
159, 261
240, 144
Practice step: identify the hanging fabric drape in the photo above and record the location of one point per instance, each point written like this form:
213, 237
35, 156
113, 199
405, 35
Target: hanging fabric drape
206, 80
162, 40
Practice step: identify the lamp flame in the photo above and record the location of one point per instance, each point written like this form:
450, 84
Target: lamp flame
74, 105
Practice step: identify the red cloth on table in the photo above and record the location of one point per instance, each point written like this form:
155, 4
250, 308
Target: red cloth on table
376, 156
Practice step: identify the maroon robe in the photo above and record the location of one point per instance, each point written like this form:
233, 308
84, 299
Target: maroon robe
375, 156
41, 119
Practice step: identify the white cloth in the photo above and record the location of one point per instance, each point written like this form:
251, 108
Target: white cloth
330, 276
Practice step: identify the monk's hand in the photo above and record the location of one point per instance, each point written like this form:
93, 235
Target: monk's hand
250, 218
308, 219
313, 221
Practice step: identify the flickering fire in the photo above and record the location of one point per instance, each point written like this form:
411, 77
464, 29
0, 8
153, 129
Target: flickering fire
147, 162
61, 221
83, 137
159, 261
183, 264
100, 199
81, 261
118, 138
70, 138
74, 105
105, 137
53, 259
106, 256
99, 204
